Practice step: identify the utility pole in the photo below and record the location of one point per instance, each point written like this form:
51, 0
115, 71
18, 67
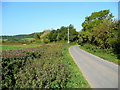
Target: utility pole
68, 35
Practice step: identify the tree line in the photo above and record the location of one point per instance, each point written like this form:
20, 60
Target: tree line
17, 37
99, 29
60, 34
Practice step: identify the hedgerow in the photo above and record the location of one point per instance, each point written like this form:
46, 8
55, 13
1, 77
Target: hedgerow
47, 66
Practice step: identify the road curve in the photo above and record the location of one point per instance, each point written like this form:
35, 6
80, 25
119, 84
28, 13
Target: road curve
98, 72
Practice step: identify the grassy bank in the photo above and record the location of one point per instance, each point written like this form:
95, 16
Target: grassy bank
48, 66
102, 53
77, 80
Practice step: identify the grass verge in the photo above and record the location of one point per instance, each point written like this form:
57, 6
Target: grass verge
102, 54
77, 80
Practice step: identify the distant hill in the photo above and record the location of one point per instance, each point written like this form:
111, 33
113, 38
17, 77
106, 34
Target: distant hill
17, 37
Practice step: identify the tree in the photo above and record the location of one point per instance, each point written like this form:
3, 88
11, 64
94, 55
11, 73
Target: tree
73, 33
116, 43
92, 21
63, 33
45, 36
53, 36
102, 34
37, 36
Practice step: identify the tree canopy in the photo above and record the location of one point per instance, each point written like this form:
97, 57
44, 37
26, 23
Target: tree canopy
60, 34
101, 30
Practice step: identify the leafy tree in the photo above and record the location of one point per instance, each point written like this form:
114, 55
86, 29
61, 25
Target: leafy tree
53, 35
63, 33
92, 21
45, 36
102, 34
37, 36
58, 38
73, 33
116, 43
99, 29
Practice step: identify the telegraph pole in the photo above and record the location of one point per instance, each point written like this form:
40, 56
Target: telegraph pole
68, 35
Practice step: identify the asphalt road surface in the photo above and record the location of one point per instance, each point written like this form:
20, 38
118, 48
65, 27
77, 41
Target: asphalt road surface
98, 72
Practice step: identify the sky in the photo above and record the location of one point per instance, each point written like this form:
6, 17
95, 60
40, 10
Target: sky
30, 17
60, 0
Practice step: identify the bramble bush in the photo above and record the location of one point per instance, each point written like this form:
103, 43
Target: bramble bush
36, 67
13, 60
47, 66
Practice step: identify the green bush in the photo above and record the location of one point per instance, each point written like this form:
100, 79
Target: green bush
41, 67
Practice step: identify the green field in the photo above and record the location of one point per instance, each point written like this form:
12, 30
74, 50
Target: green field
13, 47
